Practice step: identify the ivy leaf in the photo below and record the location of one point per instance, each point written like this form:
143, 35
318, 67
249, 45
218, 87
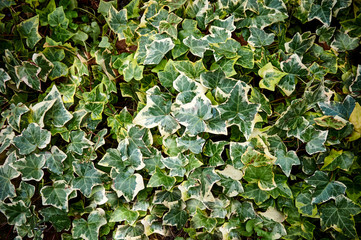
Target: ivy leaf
324, 188
157, 50
343, 42
214, 151
175, 217
176, 165
88, 177
331, 122
190, 69
304, 206
201, 220
315, 140
4, 77
352, 26
343, 109
169, 74
207, 178
31, 138
16, 213
112, 158
58, 18
338, 159
159, 178
29, 30
30, 167
270, 76
260, 98
339, 215
127, 184
45, 65
238, 111
7, 173
194, 114
263, 176
194, 144
56, 195
58, 218
300, 44
196, 46
286, 160
94, 102
28, 73
252, 191
322, 12
260, 38
78, 142
54, 159
157, 113
229, 48
57, 114
122, 213
89, 229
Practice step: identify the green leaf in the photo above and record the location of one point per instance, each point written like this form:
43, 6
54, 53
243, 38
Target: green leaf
343, 109
324, 188
196, 46
127, 184
286, 160
315, 140
207, 178
175, 217
89, 229
58, 218
190, 69
133, 71
157, 50
157, 113
88, 177
113, 158
4, 77
343, 42
339, 215
263, 176
31, 138
238, 111
201, 220
304, 205
122, 213
338, 159
29, 30
78, 142
94, 102
28, 73
30, 167
58, 18
260, 38
16, 213
229, 48
56, 195
214, 150
270, 76
260, 98
352, 26
322, 12
252, 191
7, 173
159, 178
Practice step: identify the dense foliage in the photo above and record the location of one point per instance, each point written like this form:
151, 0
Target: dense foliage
204, 119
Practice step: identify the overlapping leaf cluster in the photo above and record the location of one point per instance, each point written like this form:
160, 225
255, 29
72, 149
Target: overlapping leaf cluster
196, 119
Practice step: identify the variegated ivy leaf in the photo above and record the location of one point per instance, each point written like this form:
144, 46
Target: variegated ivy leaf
339, 109
58, 18
6, 138
38, 111
187, 89
229, 48
131, 154
16, 213
24, 192
315, 140
29, 30
286, 160
236, 152
117, 21
58, 115
238, 111
214, 150
157, 113
338, 159
7, 173
168, 75
129, 231
126, 183
325, 189
78, 142
58, 218
56, 195
54, 160
28, 73
252, 191
31, 138
339, 215
112, 158
343, 42
295, 68
260, 98
300, 44
196, 46
169, 26
260, 38
87, 177
352, 26
325, 33
355, 87
176, 216
271, 76
30, 167
190, 69
94, 102
157, 50
201, 220
194, 114
45, 65
159, 178
176, 165
207, 177
122, 213
322, 12
4, 77
303, 204
194, 144
89, 229
263, 176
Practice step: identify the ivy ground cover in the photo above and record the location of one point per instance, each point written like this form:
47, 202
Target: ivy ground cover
180, 119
